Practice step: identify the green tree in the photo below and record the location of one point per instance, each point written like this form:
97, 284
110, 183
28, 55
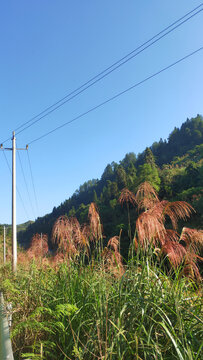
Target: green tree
95, 198
149, 157
121, 177
130, 158
131, 177
149, 174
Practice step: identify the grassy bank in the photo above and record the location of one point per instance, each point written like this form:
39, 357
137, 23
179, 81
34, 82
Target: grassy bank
84, 312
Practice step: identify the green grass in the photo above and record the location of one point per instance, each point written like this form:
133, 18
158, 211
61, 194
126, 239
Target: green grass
82, 312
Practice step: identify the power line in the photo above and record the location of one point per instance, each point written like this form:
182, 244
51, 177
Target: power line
106, 72
19, 194
103, 76
26, 185
7, 162
33, 185
116, 96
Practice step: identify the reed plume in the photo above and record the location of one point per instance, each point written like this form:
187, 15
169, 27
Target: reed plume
150, 224
112, 257
150, 227
95, 223
174, 251
183, 250
146, 196
127, 196
67, 234
192, 239
39, 246
177, 210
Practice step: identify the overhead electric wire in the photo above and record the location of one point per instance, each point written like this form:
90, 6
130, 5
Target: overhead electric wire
26, 185
19, 194
116, 96
33, 185
61, 102
106, 72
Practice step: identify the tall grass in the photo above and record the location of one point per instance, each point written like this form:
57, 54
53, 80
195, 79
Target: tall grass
84, 312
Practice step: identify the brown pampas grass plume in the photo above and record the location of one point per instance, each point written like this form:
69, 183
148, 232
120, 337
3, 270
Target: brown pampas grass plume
150, 224
95, 223
58, 259
127, 196
146, 196
181, 249
192, 239
112, 258
38, 247
175, 252
23, 258
191, 271
177, 210
69, 237
150, 229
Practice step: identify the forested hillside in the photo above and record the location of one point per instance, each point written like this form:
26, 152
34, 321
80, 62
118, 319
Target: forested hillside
20, 227
173, 166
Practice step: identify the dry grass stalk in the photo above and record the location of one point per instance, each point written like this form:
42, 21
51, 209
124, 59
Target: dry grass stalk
186, 255
193, 243
38, 247
191, 270
95, 223
193, 240
150, 229
58, 259
172, 235
23, 258
177, 210
146, 196
112, 257
150, 224
86, 231
77, 235
135, 243
175, 252
113, 243
68, 235
127, 196
60, 231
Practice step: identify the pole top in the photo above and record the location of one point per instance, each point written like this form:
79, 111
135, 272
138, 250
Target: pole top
14, 133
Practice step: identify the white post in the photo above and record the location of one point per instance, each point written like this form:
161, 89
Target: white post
4, 244
14, 236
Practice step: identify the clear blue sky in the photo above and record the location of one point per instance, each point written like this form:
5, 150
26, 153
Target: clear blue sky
50, 47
